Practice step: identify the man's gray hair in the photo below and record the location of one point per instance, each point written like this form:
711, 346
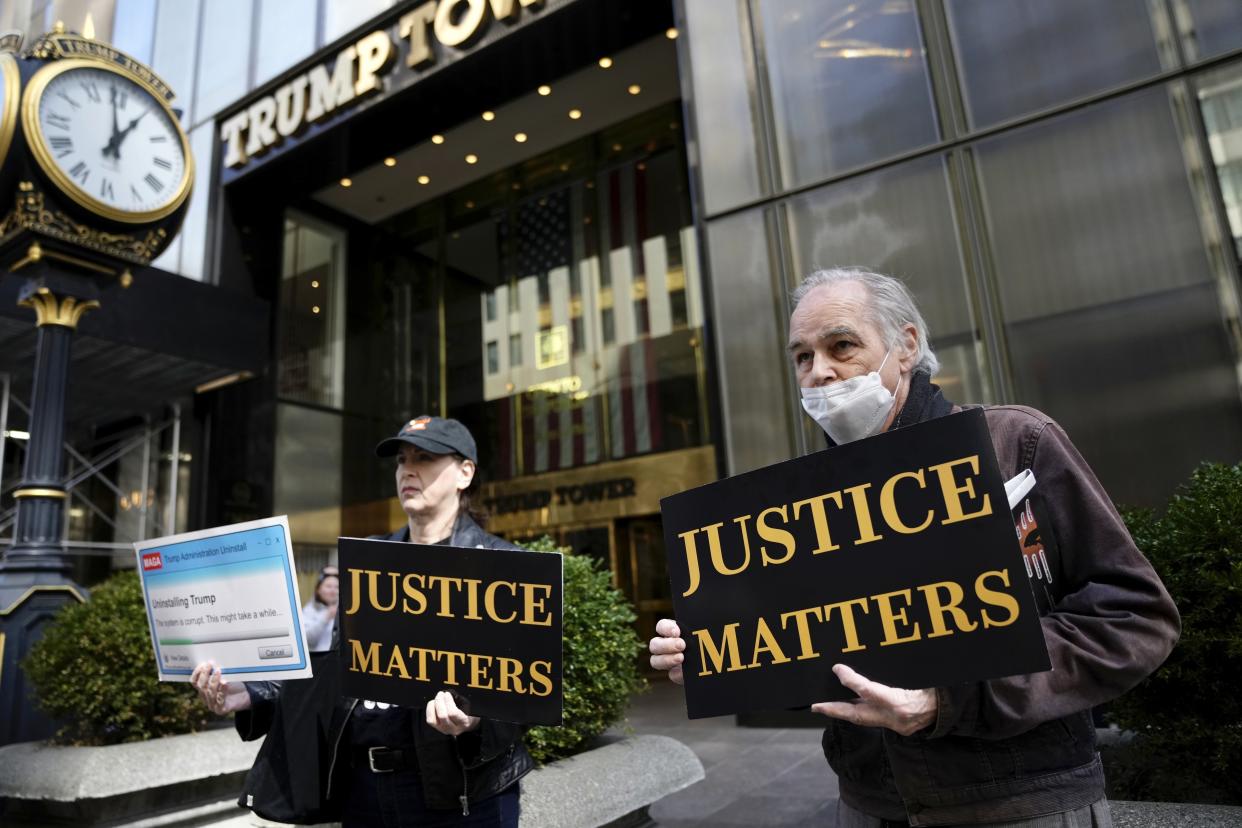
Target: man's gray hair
891, 307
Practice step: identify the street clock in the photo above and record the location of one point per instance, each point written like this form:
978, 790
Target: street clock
98, 171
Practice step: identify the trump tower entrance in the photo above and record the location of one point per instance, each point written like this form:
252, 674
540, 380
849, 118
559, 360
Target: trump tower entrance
525, 262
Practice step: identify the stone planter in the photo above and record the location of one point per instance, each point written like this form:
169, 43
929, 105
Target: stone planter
195, 780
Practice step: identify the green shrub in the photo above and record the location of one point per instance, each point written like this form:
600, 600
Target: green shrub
1187, 716
599, 650
94, 668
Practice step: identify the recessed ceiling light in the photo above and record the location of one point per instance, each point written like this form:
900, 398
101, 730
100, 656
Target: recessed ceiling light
575, 114
315, 309
605, 63
390, 162
520, 137
671, 34
489, 115
345, 182
616, 147
472, 158
634, 89
469, 205
437, 139
516, 185
565, 167
314, 283
545, 90
642, 166
422, 179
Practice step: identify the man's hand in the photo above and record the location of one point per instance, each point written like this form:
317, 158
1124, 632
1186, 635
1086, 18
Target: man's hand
218, 695
668, 648
877, 705
445, 716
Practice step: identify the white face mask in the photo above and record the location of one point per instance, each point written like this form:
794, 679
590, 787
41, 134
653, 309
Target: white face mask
850, 409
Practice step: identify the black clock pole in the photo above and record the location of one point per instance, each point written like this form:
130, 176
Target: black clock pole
34, 572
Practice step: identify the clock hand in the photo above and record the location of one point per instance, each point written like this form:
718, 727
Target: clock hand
115, 143
113, 146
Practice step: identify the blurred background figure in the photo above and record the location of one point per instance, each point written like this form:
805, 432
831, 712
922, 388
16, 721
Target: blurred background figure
320, 611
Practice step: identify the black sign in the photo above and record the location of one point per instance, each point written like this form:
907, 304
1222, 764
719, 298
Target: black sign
895, 555
484, 624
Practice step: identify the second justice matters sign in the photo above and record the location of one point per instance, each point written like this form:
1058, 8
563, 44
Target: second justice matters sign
895, 555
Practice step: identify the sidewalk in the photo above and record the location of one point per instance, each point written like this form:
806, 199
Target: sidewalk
755, 776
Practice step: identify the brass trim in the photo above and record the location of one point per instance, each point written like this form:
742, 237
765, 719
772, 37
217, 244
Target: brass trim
49, 310
58, 494
38, 144
37, 253
1, 659
12, 83
21, 599
31, 213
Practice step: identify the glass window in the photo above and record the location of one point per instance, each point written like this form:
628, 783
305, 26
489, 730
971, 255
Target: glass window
758, 396
489, 299
493, 357
1216, 27
515, 349
1112, 320
898, 221
721, 100
310, 361
1220, 99
340, 18
133, 28
577, 334
309, 453
608, 326
175, 52
194, 229
849, 84
224, 62
286, 35
1020, 56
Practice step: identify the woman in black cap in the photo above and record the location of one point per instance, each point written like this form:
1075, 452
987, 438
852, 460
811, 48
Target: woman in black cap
396, 766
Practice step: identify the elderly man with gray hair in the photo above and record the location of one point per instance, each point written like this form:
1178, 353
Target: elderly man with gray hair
1018, 751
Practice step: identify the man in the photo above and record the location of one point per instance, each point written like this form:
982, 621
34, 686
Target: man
1018, 751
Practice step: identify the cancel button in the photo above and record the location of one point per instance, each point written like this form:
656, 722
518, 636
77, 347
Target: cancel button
276, 651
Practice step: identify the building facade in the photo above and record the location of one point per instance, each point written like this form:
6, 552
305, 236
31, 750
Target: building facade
575, 225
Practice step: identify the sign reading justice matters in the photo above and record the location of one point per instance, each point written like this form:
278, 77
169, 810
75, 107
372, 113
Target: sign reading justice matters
484, 624
894, 555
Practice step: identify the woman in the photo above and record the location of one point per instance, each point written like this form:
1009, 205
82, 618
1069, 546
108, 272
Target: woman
394, 766
320, 611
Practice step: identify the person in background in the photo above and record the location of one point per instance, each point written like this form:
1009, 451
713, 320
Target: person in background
319, 614
1017, 751
396, 766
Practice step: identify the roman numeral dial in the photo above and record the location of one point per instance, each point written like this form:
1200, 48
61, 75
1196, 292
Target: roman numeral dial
107, 140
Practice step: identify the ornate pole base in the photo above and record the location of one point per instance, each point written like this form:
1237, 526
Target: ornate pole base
34, 580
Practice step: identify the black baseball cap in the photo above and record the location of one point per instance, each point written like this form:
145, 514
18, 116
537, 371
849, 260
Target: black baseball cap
438, 435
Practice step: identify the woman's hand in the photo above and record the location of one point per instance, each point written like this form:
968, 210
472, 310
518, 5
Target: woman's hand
445, 716
668, 648
218, 695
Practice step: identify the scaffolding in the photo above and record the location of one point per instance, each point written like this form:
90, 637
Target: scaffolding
152, 521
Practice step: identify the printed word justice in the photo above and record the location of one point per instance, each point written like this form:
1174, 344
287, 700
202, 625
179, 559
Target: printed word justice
855, 514
502, 601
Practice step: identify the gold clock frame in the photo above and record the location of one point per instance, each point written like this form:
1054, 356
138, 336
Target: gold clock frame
12, 82
31, 98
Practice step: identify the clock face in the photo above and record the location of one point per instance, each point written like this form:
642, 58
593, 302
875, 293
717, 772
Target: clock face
108, 142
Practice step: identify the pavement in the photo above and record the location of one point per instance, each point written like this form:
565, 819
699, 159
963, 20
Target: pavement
754, 776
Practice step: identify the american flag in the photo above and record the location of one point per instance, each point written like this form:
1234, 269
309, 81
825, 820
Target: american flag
544, 238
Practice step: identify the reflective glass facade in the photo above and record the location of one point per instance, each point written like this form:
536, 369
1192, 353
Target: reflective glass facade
1057, 182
